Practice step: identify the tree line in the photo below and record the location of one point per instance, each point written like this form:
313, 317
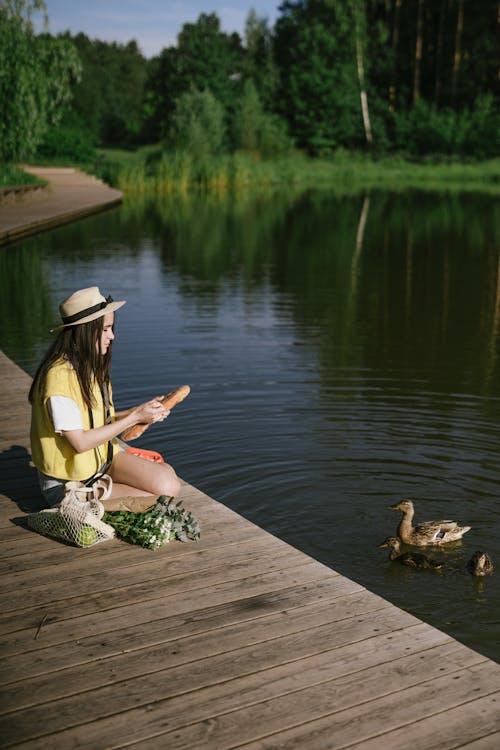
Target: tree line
416, 77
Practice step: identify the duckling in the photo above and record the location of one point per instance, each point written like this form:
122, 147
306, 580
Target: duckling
411, 559
428, 532
480, 564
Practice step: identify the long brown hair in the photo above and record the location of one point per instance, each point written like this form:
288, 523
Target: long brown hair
80, 345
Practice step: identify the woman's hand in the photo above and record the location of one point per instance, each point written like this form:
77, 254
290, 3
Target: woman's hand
150, 411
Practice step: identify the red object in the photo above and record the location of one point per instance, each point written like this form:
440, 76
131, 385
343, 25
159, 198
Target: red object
154, 456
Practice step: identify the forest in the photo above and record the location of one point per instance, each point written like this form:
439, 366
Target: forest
417, 78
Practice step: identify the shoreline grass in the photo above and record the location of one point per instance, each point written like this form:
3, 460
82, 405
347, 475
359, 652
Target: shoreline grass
163, 173
12, 175
149, 170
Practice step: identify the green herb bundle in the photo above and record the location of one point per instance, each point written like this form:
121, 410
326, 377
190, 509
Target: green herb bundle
166, 521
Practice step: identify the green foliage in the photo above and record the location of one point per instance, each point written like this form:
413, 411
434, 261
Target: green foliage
166, 521
274, 139
481, 133
205, 58
67, 143
109, 96
198, 123
425, 130
248, 118
257, 131
319, 94
12, 175
259, 62
344, 171
35, 79
298, 82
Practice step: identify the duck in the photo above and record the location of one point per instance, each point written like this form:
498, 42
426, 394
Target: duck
428, 532
480, 564
411, 559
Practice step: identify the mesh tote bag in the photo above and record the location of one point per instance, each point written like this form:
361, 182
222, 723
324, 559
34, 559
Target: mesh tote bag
77, 519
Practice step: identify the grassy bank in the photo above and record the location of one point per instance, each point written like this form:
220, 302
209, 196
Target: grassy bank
157, 172
12, 175
150, 170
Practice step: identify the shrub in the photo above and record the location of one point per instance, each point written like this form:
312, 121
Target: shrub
198, 124
257, 131
472, 132
67, 143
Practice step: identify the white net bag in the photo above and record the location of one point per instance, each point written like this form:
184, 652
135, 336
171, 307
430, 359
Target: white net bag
77, 519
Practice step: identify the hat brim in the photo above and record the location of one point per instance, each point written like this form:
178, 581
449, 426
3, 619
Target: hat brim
110, 307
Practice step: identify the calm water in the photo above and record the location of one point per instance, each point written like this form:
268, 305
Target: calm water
343, 353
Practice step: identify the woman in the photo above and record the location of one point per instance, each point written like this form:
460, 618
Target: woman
73, 422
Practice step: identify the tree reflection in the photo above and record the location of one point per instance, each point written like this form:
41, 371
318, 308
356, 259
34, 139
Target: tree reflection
26, 311
407, 280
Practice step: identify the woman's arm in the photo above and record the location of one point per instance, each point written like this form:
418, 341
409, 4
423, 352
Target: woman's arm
85, 440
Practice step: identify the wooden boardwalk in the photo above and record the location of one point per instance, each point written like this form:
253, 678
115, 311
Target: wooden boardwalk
235, 641
71, 194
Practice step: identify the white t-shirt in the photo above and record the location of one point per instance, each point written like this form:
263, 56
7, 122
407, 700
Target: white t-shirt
65, 414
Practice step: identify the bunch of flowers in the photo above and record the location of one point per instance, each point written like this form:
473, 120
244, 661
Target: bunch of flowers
166, 521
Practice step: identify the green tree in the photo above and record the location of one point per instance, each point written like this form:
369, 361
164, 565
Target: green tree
248, 119
198, 124
205, 58
36, 73
319, 89
259, 59
255, 130
109, 96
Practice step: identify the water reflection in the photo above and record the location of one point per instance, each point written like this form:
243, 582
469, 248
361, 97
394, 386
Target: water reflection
342, 352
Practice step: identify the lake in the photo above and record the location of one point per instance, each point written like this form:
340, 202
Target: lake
343, 354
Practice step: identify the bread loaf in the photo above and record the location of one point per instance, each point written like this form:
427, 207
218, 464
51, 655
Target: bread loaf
170, 400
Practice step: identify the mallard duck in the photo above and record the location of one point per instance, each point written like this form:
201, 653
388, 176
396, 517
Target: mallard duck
480, 564
411, 559
428, 532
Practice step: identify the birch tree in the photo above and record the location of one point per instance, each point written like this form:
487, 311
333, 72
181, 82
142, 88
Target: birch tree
360, 31
418, 51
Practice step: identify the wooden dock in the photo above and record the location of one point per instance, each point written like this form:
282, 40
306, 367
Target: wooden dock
70, 195
235, 641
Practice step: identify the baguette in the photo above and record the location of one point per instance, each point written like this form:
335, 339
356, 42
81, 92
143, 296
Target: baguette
170, 400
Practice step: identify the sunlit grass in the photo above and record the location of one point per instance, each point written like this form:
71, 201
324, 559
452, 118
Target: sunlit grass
172, 172
151, 170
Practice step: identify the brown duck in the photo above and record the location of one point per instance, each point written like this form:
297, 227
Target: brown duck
410, 559
480, 564
428, 532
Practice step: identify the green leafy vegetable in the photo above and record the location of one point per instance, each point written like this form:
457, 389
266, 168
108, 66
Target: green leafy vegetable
165, 522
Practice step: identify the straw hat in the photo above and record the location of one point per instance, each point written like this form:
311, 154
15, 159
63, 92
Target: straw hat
85, 305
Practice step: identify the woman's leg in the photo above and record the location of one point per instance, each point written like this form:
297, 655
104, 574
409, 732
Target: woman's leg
136, 476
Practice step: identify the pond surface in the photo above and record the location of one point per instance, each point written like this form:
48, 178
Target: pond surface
343, 353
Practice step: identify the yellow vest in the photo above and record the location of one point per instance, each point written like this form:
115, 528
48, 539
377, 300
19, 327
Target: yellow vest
51, 453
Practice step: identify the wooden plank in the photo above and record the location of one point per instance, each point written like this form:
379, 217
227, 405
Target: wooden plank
147, 589
152, 686
344, 599
71, 196
55, 631
488, 742
125, 565
284, 684
235, 706
445, 730
363, 719
144, 658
